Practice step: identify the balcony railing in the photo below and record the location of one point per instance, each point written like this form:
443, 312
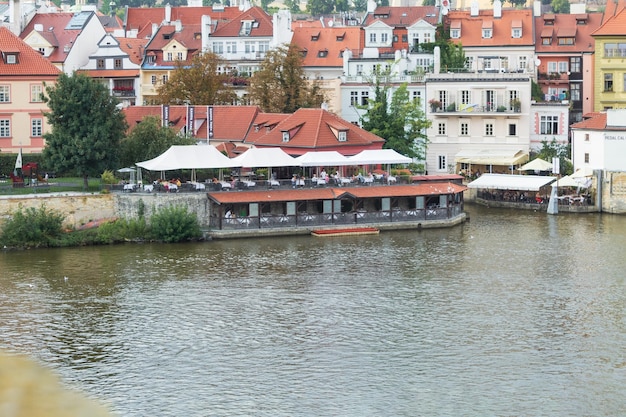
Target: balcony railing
123, 92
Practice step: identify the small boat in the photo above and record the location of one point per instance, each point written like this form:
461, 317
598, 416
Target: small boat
346, 232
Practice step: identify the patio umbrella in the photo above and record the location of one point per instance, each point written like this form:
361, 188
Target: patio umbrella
583, 172
536, 164
18, 162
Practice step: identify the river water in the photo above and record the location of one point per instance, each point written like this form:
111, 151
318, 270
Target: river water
511, 314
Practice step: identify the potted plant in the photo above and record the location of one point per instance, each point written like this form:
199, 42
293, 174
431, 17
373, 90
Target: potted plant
451, 107
434, 104
516, 105
501, 109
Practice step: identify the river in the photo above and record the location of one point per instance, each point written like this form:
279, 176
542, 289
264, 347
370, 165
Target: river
514, 313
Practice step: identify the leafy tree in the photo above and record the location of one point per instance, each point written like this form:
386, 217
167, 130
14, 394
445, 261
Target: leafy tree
429, 3
401, 122
553, 149
360, 5
452, 54
280, 86
536, 92
87, 127
320, 7
294, 5
200, 83
148, 140
175, 224
560, 6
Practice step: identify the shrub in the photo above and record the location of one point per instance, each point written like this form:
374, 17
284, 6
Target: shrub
108, 177
32, 227
175, 224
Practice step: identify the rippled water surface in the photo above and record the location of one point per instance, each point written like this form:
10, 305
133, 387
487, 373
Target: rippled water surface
510, 314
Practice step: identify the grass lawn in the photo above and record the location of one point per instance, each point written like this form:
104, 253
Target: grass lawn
54, 185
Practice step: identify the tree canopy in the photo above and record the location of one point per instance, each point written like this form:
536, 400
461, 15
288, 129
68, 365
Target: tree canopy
198, 84
87, 126
553, 149
280, 85
148, 140
401, 121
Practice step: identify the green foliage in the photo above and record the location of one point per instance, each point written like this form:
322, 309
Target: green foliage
402, 123
536, 92
320, 7
280, 86
121, 230
108, 177
360, 5
199, 83
148, 140
175, 224
561, 6
86, 127
429, 3
32, 227
553, 149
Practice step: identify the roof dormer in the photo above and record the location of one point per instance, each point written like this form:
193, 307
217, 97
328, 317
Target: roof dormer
315, 37
10, 57
487, 29
548, 19
516, 29
581, 19
455, 29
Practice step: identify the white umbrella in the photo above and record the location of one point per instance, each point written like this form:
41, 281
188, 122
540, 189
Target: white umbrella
18, 162
568, 181
536, 164
583, 172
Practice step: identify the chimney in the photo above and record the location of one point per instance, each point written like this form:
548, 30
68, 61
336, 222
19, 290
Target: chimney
537, 8
497, 9
474, 8
168, 13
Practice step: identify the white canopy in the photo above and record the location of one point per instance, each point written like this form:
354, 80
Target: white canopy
491, 157
571, 181
265, 157
536, 164
378, 156
583, 172
189, 157
510, 182
320, 158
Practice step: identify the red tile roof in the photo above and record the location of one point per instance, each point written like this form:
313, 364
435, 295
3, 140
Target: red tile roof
29, 61
188, 37
613, 25
333, 41
563, 23
471, 27
142, 18
403, 16
134, 48
111, 73
54, 31
593, 121
332, 193
233, 27
318, 129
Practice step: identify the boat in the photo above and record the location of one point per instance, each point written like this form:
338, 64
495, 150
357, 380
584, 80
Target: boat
346, 232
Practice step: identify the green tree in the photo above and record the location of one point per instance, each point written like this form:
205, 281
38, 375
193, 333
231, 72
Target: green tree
320, 7
360, 5
148, 140
452, 55
199, 84
553, 149
400, 121
87, 127
294, 5
560, 6
280, 86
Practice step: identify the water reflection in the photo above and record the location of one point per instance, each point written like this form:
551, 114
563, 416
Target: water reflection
517, 313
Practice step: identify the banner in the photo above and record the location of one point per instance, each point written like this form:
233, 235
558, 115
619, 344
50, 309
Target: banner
165, 114
190, 120
209, 122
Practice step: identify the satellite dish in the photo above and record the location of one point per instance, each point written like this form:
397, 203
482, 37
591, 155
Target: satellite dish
330, 23
537, 62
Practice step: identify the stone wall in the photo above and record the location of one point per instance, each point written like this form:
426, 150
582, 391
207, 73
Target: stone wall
78, 208
613, 192
128, 205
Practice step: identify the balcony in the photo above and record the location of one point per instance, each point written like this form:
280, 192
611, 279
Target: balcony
123, 92
478, 109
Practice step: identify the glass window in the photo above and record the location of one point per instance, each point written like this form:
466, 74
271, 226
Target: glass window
488, 129
464, 129
465, 97
574, 90
153, 79
608, 82
231, 47
574, 64
36, 127
442, 166
117, 63
455, 33
5, 93
218, 47
100, 64
441, 129
549, 125
354, 98
586, 158
517, 33
179, 56
562, 66
364, 98
552, 67
487, 33
384, 37
164, 78
250, 47
5, 128
372, 37
36, 91
512, 129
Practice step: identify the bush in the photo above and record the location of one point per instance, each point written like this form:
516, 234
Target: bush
108, 177
175, 224
32, 227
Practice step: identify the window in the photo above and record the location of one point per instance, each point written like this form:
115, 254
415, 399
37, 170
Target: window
179, 56
586, 137
231, 47
364, 98
117, 63
512, 129
608, 82
441, 165
354, 98
405, 38
153, 79
464, 129
455, 33
549, 125
552, 67
416, 96
574, 91
359, 69
522, 63
487, 33
488, 129
372, 38
490, 97
5, 93
164, 78
285, 136
323, 53
427, 37
574, 64
218, 47
563, 66
443, 98
264, 47
441, 128
516, 33
566, 41
546, 41
100, 64
384, 37
343, 136
249, 47
465, 97
36, 127
168, 56
11, 58
586, 158
5, 128
36, 90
